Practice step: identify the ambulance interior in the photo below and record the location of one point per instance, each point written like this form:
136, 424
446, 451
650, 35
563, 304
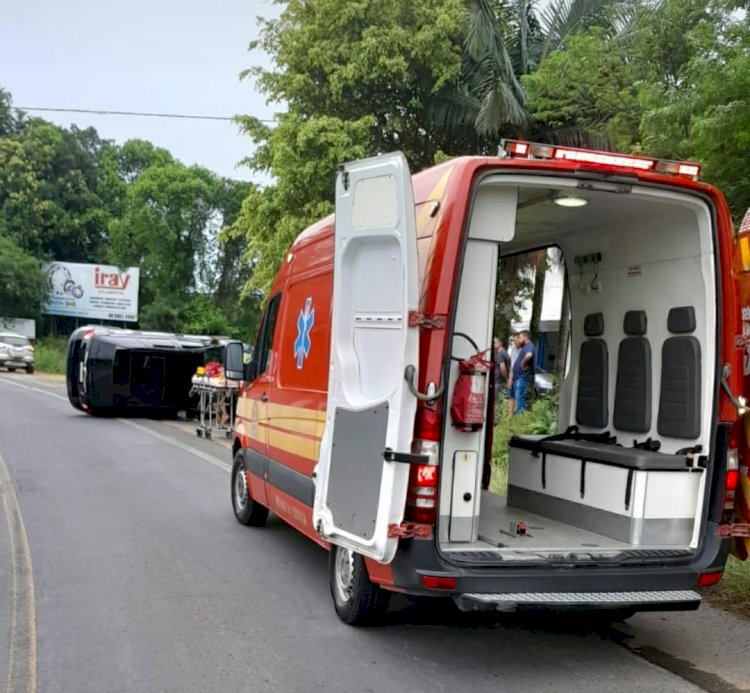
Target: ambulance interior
628, 482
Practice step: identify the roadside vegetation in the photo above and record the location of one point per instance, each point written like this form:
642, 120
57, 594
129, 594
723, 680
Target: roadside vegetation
733, 592
540, 419
50, 355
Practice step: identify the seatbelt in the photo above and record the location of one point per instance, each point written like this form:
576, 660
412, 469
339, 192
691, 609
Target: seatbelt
649, 444
573, 433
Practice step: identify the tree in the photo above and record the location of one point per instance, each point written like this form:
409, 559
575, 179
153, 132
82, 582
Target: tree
700, 108
600, 108
162, 231
303, 155
357, 79
49, 191
22, 287
379, 59
8, 121
506, 40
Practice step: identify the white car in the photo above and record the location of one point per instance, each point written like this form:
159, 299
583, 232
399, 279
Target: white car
16, 352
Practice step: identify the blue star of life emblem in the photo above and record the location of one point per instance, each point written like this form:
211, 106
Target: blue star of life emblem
302, 344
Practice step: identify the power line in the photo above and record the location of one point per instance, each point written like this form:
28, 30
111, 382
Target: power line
140, 114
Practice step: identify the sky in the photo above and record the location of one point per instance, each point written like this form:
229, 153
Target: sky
174, 56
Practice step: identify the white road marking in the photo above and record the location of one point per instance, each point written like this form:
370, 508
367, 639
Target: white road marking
35, 389
10, 382
21, 669
47, 392
188, 448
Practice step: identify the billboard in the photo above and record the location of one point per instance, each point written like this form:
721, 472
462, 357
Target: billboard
103, 292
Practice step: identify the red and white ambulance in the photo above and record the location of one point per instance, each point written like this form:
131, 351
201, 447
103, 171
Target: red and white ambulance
357, 426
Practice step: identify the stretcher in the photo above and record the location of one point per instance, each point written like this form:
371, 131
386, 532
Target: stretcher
216, 405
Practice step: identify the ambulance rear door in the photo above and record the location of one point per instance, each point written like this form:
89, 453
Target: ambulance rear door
359, 494
739, 443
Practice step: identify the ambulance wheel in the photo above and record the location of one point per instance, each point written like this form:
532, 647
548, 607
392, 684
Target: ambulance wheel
357, 601
247, 511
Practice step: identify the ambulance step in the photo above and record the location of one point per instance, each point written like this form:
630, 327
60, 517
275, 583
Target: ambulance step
512, 600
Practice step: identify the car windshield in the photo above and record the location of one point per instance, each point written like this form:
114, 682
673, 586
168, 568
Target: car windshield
15, 341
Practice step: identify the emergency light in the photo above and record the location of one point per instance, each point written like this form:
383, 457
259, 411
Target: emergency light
535, 150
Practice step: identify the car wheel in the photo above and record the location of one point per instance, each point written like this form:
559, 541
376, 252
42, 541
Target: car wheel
357, 600
30, 368
11, 369
247, 511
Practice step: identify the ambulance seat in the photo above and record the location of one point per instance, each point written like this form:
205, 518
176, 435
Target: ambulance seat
633, 387
680, 396
593, 374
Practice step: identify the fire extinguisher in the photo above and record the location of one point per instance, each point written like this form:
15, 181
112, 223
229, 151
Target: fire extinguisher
468, 405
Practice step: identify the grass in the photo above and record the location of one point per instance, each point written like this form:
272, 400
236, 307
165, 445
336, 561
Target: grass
50, 355
541, 419
733, 592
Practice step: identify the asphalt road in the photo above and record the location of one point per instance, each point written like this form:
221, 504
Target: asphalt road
143, 581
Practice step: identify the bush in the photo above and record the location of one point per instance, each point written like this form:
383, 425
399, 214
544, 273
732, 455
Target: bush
50, 354
541, 419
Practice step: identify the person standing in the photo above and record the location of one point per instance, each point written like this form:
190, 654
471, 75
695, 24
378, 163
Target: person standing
523, 371
502, 367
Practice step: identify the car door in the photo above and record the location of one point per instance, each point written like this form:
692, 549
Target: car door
358, 494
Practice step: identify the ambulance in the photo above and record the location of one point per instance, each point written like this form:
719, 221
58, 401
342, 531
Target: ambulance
366, 417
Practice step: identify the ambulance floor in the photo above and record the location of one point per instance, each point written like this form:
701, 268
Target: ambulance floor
497, 522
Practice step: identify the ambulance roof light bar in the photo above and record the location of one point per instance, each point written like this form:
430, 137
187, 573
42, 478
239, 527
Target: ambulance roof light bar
535, 150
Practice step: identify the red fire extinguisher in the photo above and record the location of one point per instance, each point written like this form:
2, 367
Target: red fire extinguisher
468, 406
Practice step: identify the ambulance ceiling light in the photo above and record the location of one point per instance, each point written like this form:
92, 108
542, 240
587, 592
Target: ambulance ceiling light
570, 201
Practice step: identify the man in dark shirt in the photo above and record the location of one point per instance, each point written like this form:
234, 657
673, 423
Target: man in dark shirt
502, 368
523, 370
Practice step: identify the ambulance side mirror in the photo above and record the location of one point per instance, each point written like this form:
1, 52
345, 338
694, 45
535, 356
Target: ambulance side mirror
234, 368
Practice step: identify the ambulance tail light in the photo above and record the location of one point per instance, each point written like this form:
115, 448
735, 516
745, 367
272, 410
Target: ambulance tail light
708, 579
422, 493
736, 464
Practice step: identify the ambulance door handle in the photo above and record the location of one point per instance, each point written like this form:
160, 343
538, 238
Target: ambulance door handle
430, 397
264, 397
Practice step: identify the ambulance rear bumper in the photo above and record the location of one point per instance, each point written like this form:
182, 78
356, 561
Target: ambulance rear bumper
642, 601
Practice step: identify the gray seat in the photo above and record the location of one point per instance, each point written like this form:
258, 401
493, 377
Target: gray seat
631, 458
633, 387
592, 408
680, 395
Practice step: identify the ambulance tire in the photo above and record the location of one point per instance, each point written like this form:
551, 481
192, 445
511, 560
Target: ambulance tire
357, 600
247, 511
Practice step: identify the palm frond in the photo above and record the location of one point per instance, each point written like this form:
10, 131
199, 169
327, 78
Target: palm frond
563, 18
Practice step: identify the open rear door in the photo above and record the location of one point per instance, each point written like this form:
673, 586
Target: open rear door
358, 494
742, 493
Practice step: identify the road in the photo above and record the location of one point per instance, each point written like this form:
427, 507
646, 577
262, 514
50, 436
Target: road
128, 572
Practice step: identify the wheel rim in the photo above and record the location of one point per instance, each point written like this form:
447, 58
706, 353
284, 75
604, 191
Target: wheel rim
241, 495
343, 574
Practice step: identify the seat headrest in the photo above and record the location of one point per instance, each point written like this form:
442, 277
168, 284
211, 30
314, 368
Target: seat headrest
593, 325
681, 320
634, 323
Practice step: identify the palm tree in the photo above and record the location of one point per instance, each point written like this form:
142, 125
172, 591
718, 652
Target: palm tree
506, 39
